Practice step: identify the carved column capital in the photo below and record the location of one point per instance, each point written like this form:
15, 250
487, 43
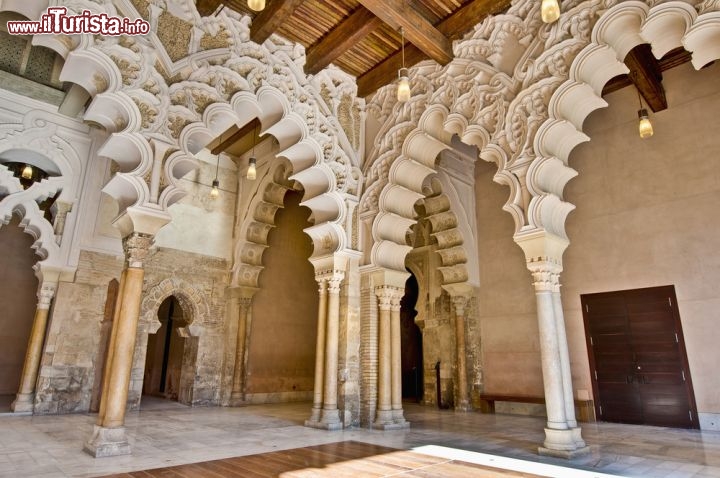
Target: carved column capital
460, 303
137, 247
335, 281
546, 276
388, 297
245, 303
322, 285
45, 294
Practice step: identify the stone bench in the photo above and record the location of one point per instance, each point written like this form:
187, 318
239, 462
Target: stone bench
584, 409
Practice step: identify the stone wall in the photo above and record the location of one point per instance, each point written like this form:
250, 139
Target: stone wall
72, 346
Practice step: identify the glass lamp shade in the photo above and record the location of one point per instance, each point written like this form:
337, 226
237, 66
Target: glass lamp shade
27, 172
215, 191
550, 11
403, 91
252, 169
645, 126
257, 5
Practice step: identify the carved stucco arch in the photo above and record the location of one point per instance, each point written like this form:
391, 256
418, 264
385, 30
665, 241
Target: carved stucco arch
664, 26
196, 310
409, 182
257, 225
519, 90
304, 152
35, 141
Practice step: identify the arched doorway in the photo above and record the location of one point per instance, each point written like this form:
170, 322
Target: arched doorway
411, 348
165, 352
19, 299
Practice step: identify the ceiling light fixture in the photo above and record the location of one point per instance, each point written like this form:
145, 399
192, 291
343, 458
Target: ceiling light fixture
27, 172
644, 126
215, 191
550, 11
252, 166
403, 91
257, 5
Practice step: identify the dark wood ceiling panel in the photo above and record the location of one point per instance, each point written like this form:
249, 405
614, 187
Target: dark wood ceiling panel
372, 50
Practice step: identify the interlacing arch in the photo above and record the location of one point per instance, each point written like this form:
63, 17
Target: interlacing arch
256, 227
665, 26
156, 111
519, 90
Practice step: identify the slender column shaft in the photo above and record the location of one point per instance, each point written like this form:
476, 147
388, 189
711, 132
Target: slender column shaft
124, 348
550, 357
395, 359
320, 351
459, 302
384, 379
111, 349
239, 369
28, 379
564, 359
330, 413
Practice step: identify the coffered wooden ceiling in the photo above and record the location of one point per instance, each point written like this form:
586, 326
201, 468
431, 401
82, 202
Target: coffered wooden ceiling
363, 37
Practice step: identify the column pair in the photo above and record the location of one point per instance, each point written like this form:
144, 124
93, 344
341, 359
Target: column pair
544, 260
325, 413
240, 306
24, 401
389, 414
108, 437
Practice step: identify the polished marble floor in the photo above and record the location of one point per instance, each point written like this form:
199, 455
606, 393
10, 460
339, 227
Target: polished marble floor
166, 433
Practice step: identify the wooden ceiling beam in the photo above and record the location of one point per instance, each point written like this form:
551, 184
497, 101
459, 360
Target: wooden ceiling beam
454, 27
674, 58
207, 7
234, 137
269, 20
418, 30
646, 75
340, 39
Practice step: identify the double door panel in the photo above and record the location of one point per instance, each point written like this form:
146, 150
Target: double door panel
638, 358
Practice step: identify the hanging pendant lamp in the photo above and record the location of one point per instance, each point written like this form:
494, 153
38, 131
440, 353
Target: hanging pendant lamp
256, 5
403, 91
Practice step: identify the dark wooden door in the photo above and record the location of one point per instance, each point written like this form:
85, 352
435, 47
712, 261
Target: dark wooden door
638, 359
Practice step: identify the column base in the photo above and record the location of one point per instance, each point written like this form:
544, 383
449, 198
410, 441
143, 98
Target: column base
107, 442
329, 420
24, 403
390, 420
566, 443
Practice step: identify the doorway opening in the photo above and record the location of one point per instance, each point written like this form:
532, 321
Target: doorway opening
18, 296
638, 359
411, 348
165, 352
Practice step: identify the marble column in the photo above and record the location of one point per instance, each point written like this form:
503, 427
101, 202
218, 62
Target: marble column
108, 438
383, 415
543, 253
565, 366
330, 415
396, 360
24, 401
462, 403
561, 438
314, 419
237, 396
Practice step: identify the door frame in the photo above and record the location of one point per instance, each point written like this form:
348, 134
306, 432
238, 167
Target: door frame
682, 351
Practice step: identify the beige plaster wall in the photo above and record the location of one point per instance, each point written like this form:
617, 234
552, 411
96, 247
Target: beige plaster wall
508, 329
19, 300
647, 215
281, 355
